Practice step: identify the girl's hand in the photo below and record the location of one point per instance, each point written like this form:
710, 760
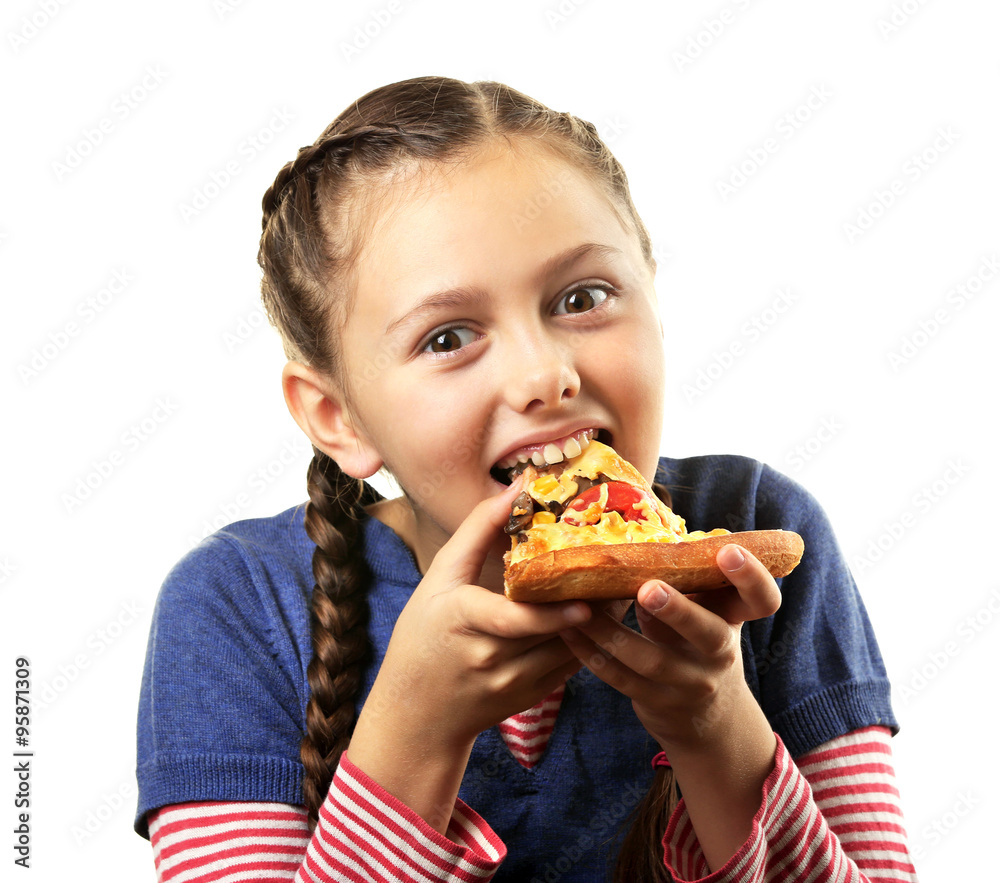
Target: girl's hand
461, 659
684, 672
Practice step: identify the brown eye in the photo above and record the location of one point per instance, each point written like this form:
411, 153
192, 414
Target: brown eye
449, 340
582, 300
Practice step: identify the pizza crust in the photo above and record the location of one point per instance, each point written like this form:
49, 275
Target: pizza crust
617, 571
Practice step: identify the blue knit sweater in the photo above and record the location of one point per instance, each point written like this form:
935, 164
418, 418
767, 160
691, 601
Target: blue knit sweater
224, 690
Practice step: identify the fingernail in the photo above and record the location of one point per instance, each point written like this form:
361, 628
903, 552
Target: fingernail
656, 599
576, 614
733, 558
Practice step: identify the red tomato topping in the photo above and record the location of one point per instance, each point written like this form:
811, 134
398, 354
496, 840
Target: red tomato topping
622, 498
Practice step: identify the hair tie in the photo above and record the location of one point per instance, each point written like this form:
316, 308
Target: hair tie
661, 761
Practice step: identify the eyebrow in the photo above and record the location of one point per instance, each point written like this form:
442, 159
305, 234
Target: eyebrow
458, 297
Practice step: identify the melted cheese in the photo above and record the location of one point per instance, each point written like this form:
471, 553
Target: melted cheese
554, 489
546, 535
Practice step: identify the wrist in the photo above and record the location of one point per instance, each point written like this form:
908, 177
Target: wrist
412, 753
394, 721
422, 768
737, 726
722, 778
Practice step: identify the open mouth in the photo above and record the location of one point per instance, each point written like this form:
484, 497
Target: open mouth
506, 470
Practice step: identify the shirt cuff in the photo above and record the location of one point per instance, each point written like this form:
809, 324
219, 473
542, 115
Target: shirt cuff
682, 852
364, 830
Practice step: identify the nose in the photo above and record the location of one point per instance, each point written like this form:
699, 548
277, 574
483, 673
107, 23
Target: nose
543, 375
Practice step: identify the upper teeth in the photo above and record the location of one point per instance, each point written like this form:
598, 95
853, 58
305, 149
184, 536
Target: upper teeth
552, 452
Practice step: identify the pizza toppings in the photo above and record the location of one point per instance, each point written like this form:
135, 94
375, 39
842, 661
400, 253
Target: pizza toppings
596, 498
525, 506
592, 527
629, 501
522, 509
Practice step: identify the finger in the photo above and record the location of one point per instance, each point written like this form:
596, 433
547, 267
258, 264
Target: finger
547, 658
724, 603
490, 613
707, 633
641, 660
757, 594
601, 660
461, 559
558, 677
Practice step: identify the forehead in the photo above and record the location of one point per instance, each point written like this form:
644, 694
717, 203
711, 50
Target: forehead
494, 217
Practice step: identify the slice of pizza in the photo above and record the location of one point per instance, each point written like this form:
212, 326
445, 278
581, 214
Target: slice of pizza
592, 527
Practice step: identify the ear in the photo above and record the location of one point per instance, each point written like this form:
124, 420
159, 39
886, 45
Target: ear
321, 413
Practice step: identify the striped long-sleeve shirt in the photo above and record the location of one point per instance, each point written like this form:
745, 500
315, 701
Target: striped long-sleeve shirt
833, 816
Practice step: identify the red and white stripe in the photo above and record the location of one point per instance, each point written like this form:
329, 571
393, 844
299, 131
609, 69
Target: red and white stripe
228, 842
852, 831
527, 733
856, 770
366, 834
792, 838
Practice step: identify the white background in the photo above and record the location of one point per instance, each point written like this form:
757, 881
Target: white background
900, 450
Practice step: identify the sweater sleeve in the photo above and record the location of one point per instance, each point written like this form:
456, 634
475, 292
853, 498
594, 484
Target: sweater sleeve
222, 700
862, 840
364, 834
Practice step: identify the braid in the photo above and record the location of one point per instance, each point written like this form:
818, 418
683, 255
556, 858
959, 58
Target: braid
310, 161
373, 144
339, 615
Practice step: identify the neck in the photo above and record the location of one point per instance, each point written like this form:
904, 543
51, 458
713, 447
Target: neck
425, 538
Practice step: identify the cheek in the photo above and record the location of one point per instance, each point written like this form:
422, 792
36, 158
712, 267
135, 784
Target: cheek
427, 433
642, 362
639, 388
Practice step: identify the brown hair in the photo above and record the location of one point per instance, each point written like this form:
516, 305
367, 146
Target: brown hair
315, 215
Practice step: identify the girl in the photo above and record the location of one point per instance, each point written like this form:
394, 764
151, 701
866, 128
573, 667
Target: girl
341, 692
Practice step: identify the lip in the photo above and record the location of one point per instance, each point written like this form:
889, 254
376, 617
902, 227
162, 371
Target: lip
538, 441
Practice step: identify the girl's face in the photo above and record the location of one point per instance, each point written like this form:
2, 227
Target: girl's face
500, 305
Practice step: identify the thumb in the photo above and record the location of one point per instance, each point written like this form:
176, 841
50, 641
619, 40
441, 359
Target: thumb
461, 559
